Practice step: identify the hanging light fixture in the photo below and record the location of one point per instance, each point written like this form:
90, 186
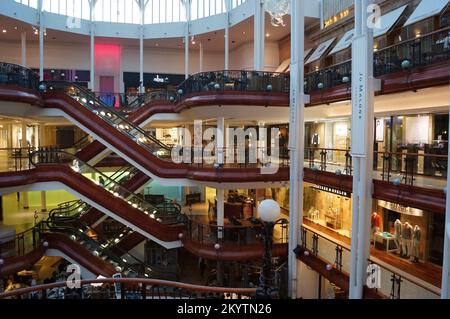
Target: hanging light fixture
277, 10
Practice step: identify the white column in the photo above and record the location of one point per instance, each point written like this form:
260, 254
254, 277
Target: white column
362, 147
23, 145
23, 41
141, 49
445, 288
43, 201
227, 35
220, 140
259, 32
141, 60
92, 48
186, 40
220, 212
41, 41
296, 137
200, 56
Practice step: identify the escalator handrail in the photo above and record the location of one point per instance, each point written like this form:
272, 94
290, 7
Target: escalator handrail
65, 85
91, 168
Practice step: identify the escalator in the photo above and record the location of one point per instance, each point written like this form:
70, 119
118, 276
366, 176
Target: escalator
139, 148
34, 243
73, 175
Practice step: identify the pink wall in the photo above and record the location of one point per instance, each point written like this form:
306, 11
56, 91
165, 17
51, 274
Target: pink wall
108, 62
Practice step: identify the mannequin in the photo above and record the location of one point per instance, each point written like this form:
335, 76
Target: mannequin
406, 239
375, 224
398, 236
415, 243
315, 140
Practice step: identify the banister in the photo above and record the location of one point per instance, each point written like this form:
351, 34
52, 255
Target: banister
134, 281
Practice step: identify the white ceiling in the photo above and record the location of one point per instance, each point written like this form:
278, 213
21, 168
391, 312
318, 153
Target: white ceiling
212, 41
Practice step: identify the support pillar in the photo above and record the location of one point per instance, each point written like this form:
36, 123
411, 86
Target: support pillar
141, 61
1, 208
43, 201
92, 49
445, 288
220, 196
141, 49
41, 46
362, 147
227, 34
24, 144
259, 31
201, 68
220, 140
186, 40
23, 42
296, 138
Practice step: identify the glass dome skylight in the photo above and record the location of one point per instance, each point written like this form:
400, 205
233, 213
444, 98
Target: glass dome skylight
128, 11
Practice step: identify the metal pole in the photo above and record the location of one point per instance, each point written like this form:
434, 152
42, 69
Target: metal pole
296, 137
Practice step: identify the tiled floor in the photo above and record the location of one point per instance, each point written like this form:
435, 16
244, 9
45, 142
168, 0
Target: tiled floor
16, 216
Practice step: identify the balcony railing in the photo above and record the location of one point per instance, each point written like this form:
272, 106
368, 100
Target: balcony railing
238, 232
239, 80
419, 168
128, 288
13, 74
391, 283
407, 55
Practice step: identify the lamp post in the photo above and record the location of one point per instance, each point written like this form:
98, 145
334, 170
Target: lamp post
269, 211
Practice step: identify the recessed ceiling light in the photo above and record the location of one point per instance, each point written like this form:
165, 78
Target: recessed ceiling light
4, 30
267, 35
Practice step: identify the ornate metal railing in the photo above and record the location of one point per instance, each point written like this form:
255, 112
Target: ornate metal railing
128, 288
13, 74
407, 55
238, 232
235, 80
386, 281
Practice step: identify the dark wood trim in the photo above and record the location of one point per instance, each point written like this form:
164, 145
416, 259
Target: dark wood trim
65, 175
230, 252
70, 248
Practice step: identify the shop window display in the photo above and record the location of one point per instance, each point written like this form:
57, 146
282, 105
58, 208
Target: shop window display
406, 232
327, 207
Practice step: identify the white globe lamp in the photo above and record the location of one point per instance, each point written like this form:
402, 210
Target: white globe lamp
269, 211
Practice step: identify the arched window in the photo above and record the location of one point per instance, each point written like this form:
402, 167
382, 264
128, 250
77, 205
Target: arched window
120, 11
164, 11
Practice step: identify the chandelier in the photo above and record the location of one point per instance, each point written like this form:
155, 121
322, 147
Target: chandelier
277, 10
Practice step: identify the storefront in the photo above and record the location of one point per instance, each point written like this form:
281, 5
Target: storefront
152, 81
328, 207
408, 232
414, 134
